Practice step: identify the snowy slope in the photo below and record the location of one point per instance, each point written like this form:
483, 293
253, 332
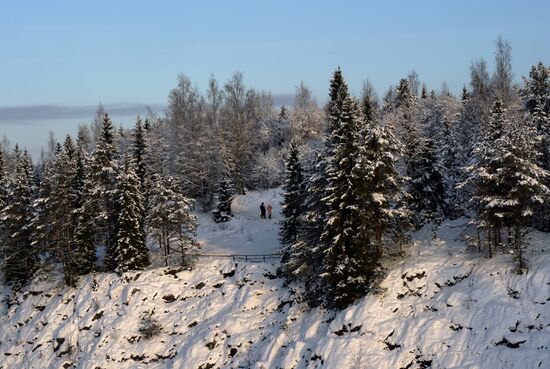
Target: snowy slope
441, 307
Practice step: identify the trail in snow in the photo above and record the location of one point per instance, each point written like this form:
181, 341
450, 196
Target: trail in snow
245, 233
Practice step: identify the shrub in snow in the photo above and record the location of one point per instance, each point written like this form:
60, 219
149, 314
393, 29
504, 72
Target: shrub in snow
149, 327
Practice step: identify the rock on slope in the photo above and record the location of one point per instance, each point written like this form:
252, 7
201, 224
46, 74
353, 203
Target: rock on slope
440, 307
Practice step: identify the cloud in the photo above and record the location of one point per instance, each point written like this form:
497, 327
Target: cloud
13, 114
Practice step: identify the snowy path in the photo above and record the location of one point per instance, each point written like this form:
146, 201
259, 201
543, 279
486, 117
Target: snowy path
246, 233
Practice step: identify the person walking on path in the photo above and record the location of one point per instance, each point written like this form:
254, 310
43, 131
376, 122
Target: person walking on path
269, 210
262, 211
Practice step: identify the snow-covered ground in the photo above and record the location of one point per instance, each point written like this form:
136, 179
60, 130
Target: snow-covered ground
440, 306
245, 233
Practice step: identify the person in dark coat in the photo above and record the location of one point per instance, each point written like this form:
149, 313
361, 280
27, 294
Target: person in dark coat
262, 211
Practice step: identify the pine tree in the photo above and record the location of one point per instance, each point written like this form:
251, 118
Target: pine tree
20, 258
130, 250
293, 199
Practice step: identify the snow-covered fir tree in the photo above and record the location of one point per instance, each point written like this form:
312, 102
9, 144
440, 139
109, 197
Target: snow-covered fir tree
225, 198
451, 156
536, 96
349, 268
306, 254
84, 260
425, 185
139, 149
293, 202
169, 220
536, 88
3, 181
488, 195
384, 196
55, 221
130, 250
102, 201
20, 258
524, 185
212, 155
305, 260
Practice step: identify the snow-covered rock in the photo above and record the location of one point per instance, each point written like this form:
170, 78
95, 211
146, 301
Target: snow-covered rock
441, 306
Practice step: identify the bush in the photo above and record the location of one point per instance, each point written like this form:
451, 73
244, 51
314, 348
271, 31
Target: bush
149, 328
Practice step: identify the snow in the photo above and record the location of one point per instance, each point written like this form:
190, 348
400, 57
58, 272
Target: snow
245, 233
440, 306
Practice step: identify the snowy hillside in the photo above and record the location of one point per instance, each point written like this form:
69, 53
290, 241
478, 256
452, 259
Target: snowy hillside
440, 307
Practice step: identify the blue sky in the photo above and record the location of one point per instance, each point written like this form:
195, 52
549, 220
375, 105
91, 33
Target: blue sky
74, 53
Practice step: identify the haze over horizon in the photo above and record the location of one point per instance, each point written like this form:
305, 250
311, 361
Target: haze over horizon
61, 58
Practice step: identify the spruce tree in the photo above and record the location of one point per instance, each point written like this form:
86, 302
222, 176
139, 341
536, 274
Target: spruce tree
484, 177
3, 180
225, 198
305, 256
139, 149
348, 269
536, 89
84, 260
424, 94
383, 186
139, 152
102, 201
69, 147
426, 187
283, 114
20, 258
55, 221
305, 260
524, 185
536, 96
169, 220
130, 250
63, 201
293, 201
